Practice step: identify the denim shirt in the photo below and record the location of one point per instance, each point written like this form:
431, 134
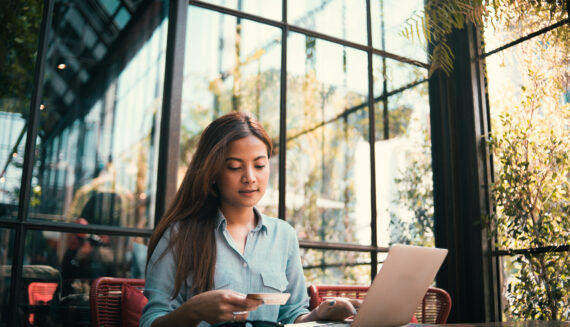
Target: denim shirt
270, 263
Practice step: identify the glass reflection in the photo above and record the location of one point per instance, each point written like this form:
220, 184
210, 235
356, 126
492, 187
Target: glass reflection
396, 74
339, 18
19, 38
503, 24
336, 267
267, 9
13, 128
6, 248
231, 64
97, 143
328, 165
389, 19
404, 186
62, 266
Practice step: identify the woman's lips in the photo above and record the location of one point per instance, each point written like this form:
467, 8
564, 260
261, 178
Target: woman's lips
247, 192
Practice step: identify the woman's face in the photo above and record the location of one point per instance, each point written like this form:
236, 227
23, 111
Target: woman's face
244, 175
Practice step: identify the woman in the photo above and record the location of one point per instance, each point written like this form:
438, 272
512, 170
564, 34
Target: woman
213, 246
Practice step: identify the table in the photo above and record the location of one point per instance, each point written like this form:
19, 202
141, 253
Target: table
529, 323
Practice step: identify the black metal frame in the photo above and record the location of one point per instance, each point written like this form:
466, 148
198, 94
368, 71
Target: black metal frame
450, 226
27, 170
286, 27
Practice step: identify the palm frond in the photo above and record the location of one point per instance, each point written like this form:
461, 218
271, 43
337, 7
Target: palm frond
436, 21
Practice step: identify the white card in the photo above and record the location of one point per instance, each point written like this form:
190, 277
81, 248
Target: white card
270, 298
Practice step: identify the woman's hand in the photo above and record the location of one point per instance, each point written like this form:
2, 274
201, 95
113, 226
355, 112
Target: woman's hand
221, 305
337, 309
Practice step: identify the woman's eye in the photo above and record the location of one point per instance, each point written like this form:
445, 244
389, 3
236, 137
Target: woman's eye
259, 166
233, 168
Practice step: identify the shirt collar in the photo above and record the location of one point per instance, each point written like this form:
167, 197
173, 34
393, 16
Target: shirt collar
221, 221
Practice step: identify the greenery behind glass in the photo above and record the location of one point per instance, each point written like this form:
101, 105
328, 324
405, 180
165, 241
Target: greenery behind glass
529, 97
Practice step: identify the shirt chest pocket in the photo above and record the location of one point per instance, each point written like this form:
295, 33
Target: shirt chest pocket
274, 281
222, 280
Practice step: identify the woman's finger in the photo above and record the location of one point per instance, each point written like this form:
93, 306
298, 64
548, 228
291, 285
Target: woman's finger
240, 315
253, 304
355, 303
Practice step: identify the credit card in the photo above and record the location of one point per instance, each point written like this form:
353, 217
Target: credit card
270, 298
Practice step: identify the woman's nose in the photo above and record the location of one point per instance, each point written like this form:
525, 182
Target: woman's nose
248, 176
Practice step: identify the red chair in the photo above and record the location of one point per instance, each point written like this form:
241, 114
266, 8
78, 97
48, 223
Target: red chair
434, 308
105, 299
40, 293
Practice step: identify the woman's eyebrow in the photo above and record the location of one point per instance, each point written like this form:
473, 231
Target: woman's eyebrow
241, 160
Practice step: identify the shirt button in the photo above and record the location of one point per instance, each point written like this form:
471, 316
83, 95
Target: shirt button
245, 264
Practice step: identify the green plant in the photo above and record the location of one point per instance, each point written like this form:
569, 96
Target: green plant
435, 23
533, 210
19, 39
415, 194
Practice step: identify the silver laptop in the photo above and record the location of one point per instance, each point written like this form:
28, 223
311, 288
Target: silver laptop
397, 289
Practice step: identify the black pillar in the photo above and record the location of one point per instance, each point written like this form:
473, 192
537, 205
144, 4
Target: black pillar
168, 152
462, 173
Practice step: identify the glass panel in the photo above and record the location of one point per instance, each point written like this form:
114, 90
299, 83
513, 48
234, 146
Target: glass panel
397, 75
508, 21
529, 99
389, 19
336, 267
19, 38
98, 141
545, 276
339, 18
404, 186
266, 9
328, 153
6, 248
214, 84
59, 268
13, 131
122, 18
110, 6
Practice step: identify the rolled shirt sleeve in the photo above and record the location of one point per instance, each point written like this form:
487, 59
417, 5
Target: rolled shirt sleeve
159, 283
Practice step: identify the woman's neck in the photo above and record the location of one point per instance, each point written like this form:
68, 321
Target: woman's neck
239, 216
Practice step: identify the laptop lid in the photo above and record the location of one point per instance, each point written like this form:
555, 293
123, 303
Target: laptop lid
399, 287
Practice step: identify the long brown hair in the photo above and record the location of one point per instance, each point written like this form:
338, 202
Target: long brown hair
196, 202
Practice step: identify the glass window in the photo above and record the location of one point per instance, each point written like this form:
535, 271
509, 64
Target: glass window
6, 255
110, 6
511, 21
122, 18
60, 267
98, 137
328, 153
339, 18
389, 19
19, 39
544, 275
393, 76
332, 267
267, 9
404, 186
529, 102
231, 64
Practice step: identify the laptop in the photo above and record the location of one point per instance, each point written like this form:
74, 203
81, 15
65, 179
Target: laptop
397, 289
